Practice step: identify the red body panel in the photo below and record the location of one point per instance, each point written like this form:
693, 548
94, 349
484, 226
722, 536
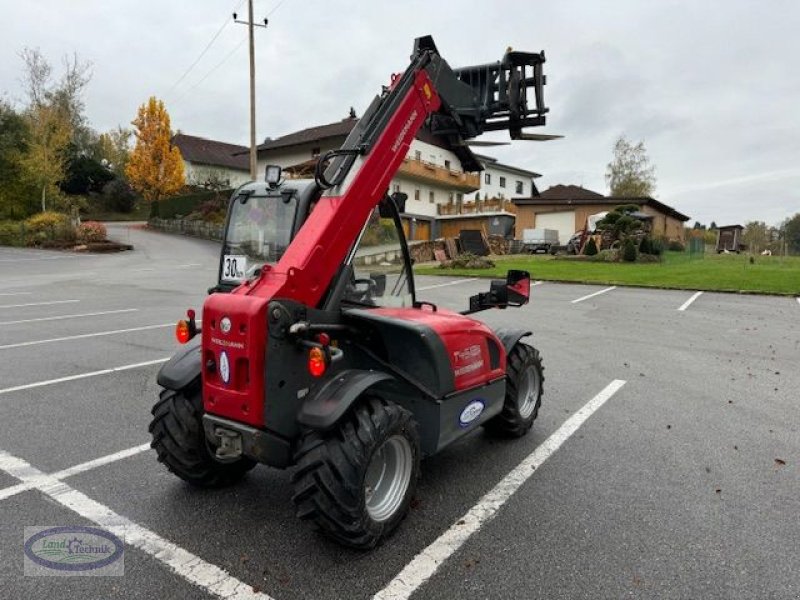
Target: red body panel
467, 342
310, 262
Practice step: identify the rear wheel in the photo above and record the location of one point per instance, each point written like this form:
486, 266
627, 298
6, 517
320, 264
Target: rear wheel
181, 444
524, 381
356, 482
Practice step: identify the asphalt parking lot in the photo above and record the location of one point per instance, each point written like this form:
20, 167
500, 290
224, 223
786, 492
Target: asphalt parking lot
651, 471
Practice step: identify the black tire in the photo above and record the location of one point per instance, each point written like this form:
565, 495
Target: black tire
517, 416
330, 479
181, 445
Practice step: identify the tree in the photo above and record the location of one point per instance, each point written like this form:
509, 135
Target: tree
16, 195
56, 125
713, 225
620, 222
85, 175
791, 229
113, 148
756, 235
630, 173
155, 167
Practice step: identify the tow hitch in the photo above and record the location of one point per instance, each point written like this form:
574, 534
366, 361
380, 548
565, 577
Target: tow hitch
229, 444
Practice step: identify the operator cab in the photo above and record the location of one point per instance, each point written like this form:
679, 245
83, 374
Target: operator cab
263, 218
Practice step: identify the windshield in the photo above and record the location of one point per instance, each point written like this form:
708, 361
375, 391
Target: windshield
259, 231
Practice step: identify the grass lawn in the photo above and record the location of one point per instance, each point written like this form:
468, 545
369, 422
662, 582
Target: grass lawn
724, 272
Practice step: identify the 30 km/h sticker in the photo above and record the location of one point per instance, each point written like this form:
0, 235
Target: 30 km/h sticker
234, 267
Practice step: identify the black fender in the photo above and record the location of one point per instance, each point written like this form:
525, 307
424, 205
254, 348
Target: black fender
509, 337
326, 406
183, 368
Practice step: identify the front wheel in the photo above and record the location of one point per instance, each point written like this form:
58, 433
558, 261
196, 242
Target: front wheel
180, 442
524, 381
356, 482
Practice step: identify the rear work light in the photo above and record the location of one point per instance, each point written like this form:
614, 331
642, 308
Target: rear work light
317, 362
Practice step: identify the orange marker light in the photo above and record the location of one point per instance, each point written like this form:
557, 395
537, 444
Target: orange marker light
182, 332
316, 362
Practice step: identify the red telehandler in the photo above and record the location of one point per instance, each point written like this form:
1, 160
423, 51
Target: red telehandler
315, 353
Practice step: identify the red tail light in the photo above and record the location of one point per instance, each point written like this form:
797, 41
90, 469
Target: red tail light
183, 332
316, 362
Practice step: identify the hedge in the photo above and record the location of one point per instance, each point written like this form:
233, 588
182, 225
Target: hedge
183, 205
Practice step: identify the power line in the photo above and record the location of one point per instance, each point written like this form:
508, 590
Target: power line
209, 73
203, 53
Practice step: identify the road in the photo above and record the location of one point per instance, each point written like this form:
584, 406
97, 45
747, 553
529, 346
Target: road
664, 485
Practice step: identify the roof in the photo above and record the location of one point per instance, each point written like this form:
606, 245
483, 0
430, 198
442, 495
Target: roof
211, 152
312, 134
490, 160
572, 195
730, 227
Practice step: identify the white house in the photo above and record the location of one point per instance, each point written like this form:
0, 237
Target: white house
209, 163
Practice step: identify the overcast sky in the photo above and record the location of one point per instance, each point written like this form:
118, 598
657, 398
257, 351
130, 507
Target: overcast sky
711, 87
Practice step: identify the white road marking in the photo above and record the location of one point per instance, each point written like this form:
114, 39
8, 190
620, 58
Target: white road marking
188, 265
427, 562
143, 270
537, 283
39, 303
15, 293
798, 300
30, 386
603, 291
13, 490
438, 285
84, 336
62, 317
191, 567
688, 303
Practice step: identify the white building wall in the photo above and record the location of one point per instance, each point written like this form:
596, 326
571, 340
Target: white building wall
197, 174
492, 179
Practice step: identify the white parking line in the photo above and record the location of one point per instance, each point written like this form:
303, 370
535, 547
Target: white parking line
84, 336
438, 285
191, 567
426, 563
581, 299
798, 300
688, 303
30, 386
62, 317
39, 303
15, 293
13, 490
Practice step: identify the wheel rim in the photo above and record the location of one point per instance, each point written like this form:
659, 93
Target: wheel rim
528, 391
388, 477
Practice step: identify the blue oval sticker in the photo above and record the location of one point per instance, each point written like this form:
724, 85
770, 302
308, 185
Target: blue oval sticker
470, 413
73, 548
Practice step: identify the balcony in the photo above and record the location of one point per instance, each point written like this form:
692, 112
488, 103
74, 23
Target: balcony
477, 207
433, 174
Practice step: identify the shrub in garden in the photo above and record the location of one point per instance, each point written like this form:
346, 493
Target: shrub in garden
91, 231
629, 251
49, 227
118, 196
607, 256
468, 261
12, 233
591, 248
676, 246
645, 246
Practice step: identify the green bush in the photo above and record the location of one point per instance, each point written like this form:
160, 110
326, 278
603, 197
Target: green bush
118, 196
629, 251
49, 227
607, 255
170, 208
645, 246
591, 248
656, 247
12, 233
468, 261
676, 246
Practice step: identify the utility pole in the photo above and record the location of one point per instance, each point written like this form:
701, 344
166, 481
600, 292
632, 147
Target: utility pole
251, 34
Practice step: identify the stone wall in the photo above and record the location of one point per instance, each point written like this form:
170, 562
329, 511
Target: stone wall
201, 229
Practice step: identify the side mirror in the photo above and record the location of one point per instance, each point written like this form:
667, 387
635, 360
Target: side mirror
514, 291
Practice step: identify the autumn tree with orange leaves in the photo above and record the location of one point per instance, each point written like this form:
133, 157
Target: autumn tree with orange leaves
155, 167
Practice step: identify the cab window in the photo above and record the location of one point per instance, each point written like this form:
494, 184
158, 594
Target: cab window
380, 274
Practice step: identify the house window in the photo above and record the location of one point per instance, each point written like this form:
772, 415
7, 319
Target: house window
417, 155
520, 187
396, 187
502, 182
416, 194
430, 197
459, 198
450, 197
487, 179
447, 165
315, 152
